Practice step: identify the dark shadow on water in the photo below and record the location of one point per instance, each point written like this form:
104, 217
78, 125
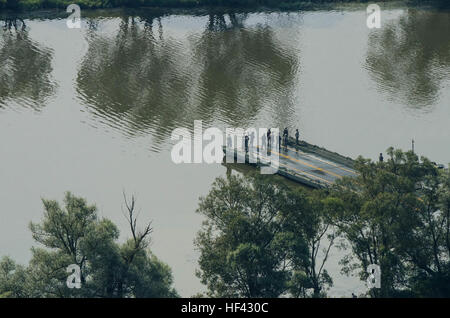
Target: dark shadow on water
143, 81
14, 22
409, 58
25, 67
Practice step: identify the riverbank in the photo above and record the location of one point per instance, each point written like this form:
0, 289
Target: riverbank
30, 5
27, 5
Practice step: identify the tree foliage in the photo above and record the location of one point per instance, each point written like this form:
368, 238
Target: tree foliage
76, 235
260, 240
396, 214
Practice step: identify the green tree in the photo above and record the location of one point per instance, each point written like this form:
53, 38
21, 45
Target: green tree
11, 4
425, 244
312, 237
241, 243
256, 242
395, 214
12, 279
75, 235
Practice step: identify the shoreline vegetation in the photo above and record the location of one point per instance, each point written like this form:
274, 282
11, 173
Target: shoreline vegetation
33, 5
259, 238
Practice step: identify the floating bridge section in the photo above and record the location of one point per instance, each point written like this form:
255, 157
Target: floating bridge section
307, 164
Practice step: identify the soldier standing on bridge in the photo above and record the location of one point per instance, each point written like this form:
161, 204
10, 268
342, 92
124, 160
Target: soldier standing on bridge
285, 137
246, 143
279, 143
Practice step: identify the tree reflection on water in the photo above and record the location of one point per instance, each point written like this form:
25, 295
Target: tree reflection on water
25, 68
144, 81
409, 58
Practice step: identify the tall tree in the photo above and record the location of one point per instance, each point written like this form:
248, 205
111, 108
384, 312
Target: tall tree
241, 242
312, 237
260, 240
12, 279
75, 235
395, 215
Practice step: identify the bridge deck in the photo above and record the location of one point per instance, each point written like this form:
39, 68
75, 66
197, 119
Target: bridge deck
307, 168
313, 166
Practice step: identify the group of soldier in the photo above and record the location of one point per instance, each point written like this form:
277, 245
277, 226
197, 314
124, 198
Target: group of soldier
282, 140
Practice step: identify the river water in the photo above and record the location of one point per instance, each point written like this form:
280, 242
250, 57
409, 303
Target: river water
91, 110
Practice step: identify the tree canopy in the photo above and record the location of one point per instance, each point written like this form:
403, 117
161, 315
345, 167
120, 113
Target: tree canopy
76, 235
396, 214
261, 239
